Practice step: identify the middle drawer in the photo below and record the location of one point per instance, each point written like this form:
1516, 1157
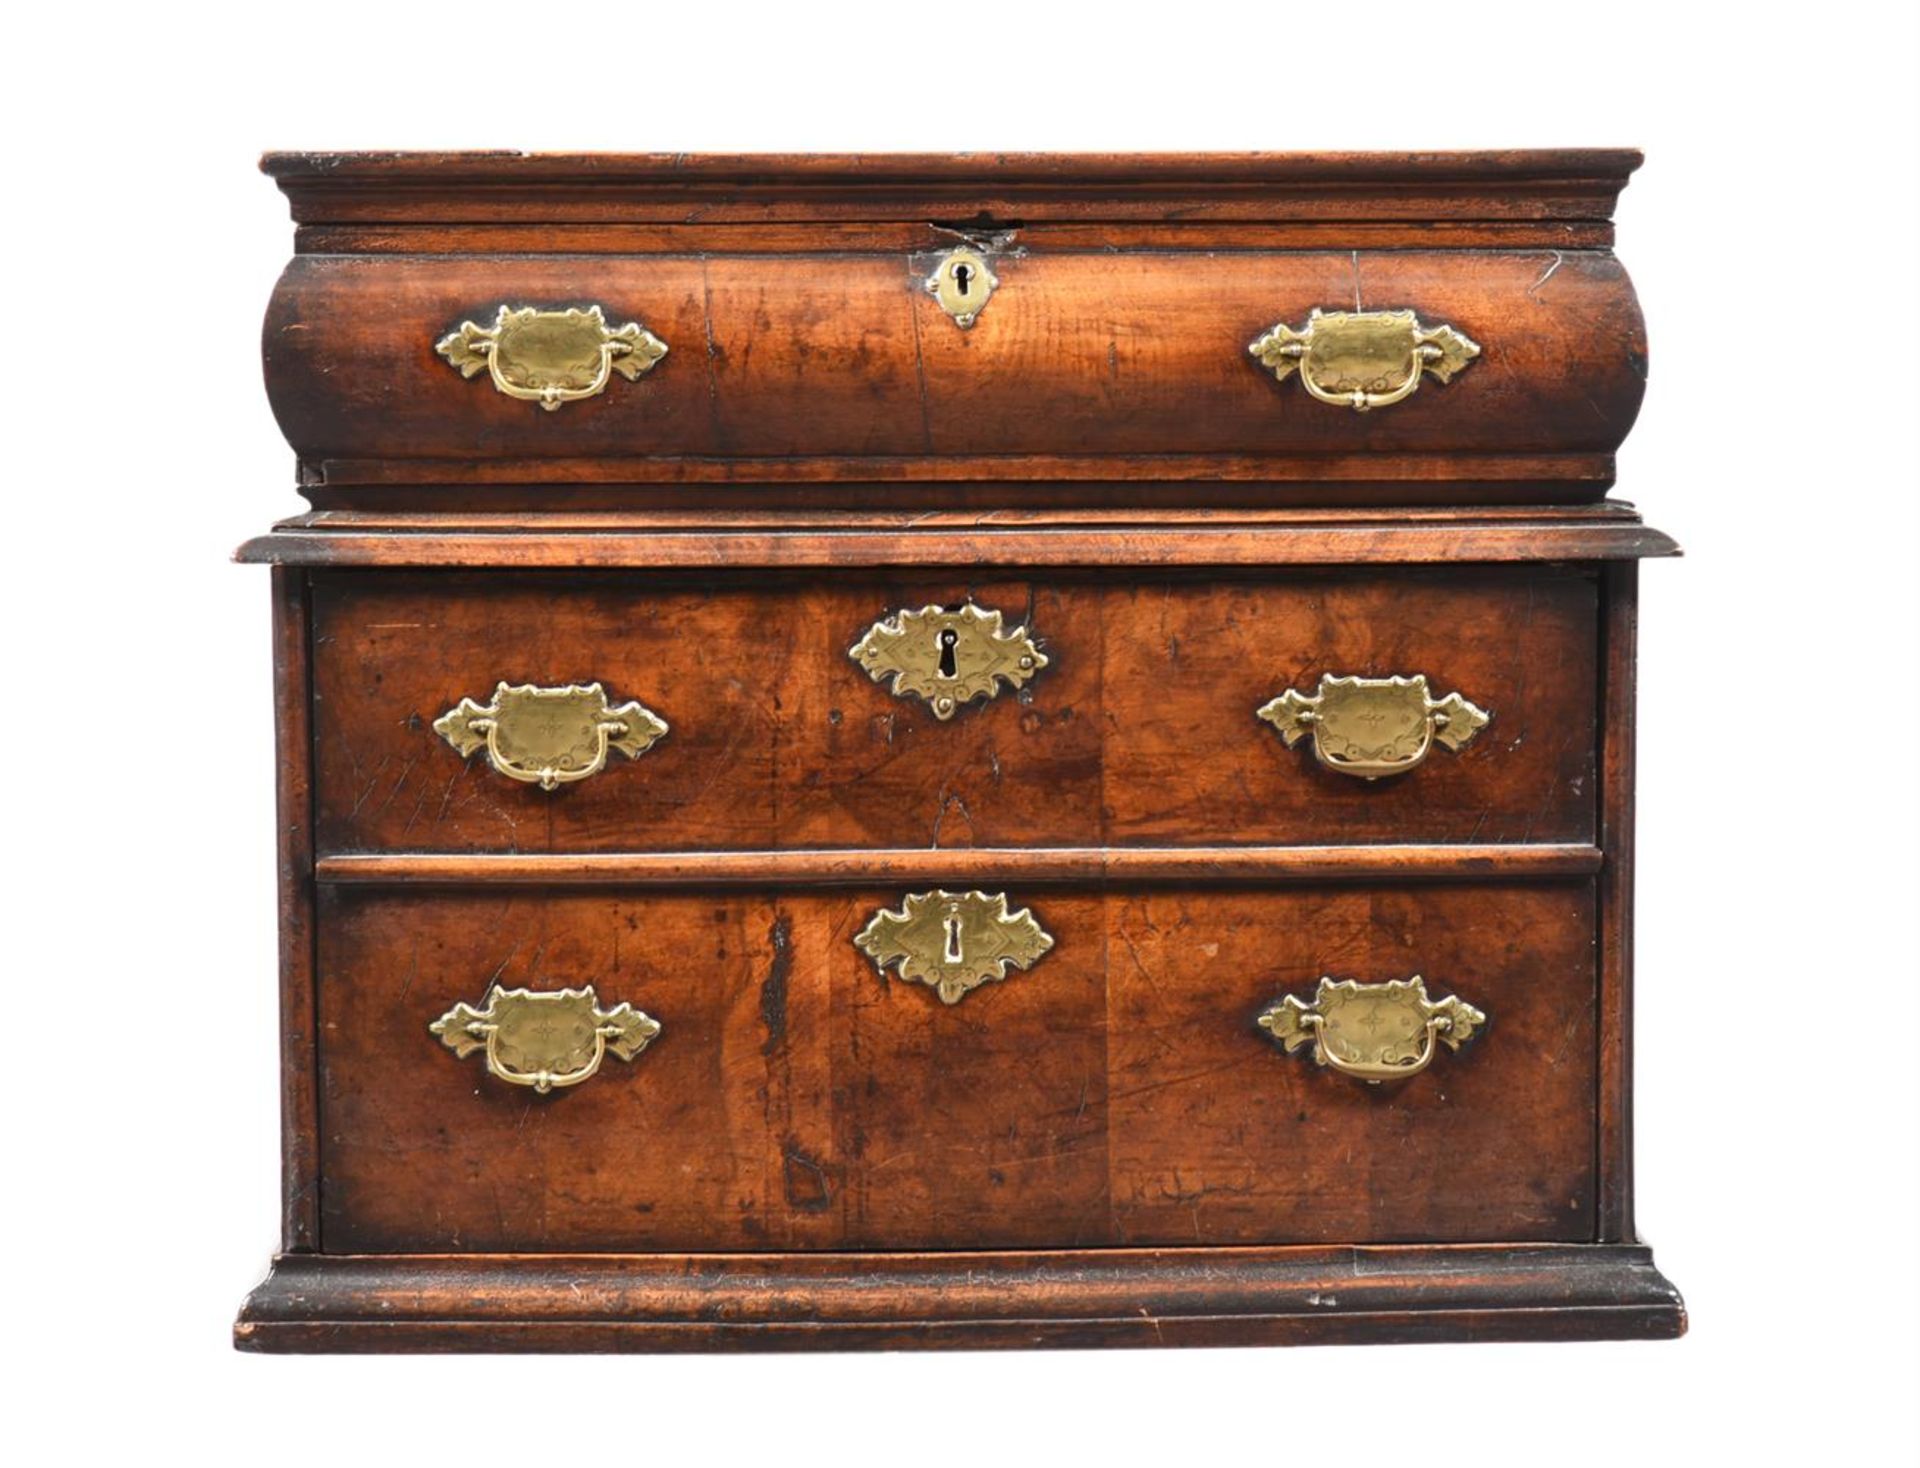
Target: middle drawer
1149, 711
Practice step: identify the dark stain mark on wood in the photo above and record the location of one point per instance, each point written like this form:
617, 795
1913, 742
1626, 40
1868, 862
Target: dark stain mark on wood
809, 1189
773, 988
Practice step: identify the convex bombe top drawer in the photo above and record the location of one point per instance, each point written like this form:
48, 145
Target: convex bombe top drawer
922, 751
1457, 331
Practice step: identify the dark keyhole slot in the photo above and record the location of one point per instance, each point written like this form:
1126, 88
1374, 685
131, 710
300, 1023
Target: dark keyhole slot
948, 639
962, 275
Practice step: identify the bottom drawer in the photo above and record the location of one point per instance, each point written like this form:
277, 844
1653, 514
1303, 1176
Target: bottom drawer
1120, 1091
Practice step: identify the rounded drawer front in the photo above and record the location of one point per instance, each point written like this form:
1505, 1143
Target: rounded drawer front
636, 368
1050, 1067
517, 713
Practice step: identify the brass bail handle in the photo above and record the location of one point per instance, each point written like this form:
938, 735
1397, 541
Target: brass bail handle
549, 736
545, 1039
1373, 1032
1363, 359
551, 357
1372, 727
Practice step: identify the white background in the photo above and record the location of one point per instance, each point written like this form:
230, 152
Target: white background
1772, 236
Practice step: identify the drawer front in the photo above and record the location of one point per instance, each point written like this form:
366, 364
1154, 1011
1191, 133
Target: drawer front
1140, 727
1118, 1090
848, 356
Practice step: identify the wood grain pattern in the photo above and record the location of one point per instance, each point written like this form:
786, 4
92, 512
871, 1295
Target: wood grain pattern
798, 1302
845, 356
980, 189
1105, 1150
1197, 544
1117, 1093
963, 866
294, 847
1141, 731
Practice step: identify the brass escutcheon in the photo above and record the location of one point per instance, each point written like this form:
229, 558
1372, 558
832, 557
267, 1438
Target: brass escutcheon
1377, 1032
545, 1039
1371, 727
953, 942
1363, 359
962, 283
549, 736
551, 357
947, 658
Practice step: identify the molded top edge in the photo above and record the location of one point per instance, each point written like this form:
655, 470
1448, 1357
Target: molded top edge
855, 169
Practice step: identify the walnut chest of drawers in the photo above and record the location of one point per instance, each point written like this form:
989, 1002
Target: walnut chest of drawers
918, 751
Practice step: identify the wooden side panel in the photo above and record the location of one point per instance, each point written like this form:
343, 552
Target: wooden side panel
844, 356
1217, 1136
1119, 1093
293, 822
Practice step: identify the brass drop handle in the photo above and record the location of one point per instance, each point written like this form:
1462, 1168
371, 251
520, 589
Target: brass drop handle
549, 736
1369, 727
953, 942
1375, 1032
947, 658
545, 1039
1363, 359
551, 357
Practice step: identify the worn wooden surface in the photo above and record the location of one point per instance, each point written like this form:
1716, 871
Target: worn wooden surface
294, 851
1547, 188
1104, 1150
662, 540
1141, 730
1118, 1092
965, 865
788, 1302
846, 357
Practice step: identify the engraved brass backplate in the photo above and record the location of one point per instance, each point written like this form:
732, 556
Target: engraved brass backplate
1371, 727
947, 658
1363, 359
545, 1038
549, 736
1378, 1032
551, 357
962, 283
953, 941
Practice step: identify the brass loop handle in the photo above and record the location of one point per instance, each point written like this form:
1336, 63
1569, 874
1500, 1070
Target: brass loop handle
1363, 359
1369, 727
549, 736
1375, 1032
953, 942
947, 658
545, 1039
551, 357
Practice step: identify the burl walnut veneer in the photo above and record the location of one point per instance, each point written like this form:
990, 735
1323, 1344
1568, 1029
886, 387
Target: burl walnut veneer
955, 751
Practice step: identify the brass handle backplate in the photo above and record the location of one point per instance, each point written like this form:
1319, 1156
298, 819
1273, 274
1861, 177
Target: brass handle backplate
549, 736
947, 658
1363, 359
953, 942
551, 357
1377, 1032
1371, 727
545, 1039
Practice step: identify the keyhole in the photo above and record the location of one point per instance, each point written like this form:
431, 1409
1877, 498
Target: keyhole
949, 639
962, 276
952, 954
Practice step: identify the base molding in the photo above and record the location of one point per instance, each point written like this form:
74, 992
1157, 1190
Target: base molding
1126, 1297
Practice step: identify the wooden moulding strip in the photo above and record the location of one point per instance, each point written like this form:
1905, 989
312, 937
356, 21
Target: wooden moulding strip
854, 867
